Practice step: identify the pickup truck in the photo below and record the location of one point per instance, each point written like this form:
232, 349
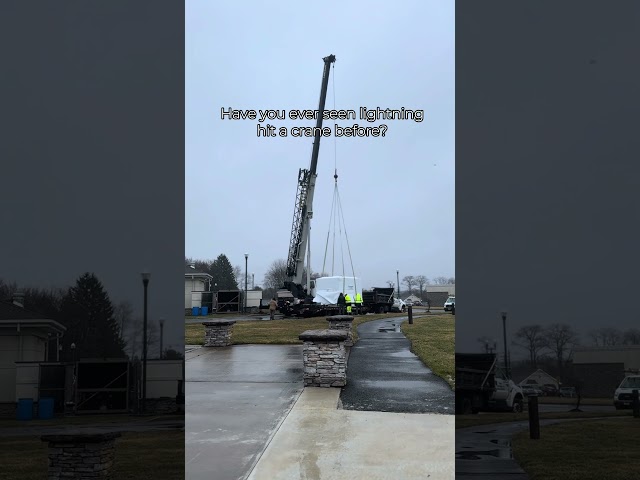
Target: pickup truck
481, 385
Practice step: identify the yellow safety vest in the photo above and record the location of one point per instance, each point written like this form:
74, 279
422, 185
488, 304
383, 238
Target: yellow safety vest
347, 298
358, 299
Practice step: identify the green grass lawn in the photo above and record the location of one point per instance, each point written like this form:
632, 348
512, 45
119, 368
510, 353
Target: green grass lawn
433, 341
158, 455
603, 449
572, 401
87, 420
274, 332
464, 421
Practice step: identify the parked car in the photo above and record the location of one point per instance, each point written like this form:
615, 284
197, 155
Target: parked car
623, 396
450, 304
533, 388
408, 303
417, 303
529, 391
569, 392
550, 390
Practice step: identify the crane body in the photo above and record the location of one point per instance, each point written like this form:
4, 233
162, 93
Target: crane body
303, 210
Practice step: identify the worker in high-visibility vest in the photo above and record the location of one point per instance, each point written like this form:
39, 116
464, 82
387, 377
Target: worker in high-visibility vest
347, 299
358, 303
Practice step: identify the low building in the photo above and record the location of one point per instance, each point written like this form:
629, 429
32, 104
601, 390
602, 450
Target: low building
601, 369
25, 336
196, 283
539, 378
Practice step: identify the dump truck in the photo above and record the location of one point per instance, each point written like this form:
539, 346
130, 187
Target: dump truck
378, 300
482, 385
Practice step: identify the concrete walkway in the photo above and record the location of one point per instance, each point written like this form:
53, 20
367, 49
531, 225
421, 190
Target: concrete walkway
384, 376
236, 397
318, 441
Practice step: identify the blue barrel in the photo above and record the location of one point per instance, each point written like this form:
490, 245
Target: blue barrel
205, 310
45, 408
25, 409
195, 311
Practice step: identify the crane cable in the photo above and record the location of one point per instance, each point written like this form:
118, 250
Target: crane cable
337, 215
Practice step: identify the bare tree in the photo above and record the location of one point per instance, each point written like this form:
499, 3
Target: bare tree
631, 337
135, 334
409, 281
421, 281
276, 275
441, 280
123, 313
451, 281
391, 284
532, 339
238, 273
606, 336
560, 338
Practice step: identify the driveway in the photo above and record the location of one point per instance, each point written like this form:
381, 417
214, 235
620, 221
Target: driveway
236, 398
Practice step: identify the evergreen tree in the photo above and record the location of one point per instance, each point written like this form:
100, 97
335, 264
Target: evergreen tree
88, 314
223, 274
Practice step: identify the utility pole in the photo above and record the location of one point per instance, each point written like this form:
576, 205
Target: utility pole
504, 334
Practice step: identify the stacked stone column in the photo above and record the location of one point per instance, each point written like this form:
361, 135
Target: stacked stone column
217, 333
325, 358
81, 456
342, 322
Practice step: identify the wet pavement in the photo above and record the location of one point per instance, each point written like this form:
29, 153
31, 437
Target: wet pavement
384, 376
236, 399
484, 452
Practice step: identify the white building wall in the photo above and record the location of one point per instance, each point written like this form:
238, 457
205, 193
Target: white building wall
193, 285
629, 355
163, 377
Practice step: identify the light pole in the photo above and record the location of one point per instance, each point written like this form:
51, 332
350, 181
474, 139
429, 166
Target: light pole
246, 278
161, 336
503, 314
398, 278
145, 281
75, 375
253, 281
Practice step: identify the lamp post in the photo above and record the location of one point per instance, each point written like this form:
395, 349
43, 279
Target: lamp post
398, 278
253, 281
246, 278
75, 374
161, 336
145, 281
503, 314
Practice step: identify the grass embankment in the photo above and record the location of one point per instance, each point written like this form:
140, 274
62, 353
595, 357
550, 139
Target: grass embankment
275, 332
158, 455
464, 421
433, 341
603, 449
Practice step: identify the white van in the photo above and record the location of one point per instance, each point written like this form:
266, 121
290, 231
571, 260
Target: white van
450, 303
622, 398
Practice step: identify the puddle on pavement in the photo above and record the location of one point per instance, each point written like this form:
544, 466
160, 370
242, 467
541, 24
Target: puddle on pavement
503, 451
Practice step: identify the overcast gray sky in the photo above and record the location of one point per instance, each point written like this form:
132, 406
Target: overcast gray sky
397, 192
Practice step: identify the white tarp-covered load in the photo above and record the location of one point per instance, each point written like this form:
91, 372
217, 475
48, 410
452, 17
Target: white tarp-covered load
328, 289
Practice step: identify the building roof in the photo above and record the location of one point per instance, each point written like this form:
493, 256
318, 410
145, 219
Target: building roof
15, 317
192, 272
9, 311
538, 372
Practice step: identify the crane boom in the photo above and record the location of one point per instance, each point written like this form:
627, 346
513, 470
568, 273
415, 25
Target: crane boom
303, 210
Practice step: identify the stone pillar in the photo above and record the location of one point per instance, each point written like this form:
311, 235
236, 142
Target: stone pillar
325, 358
217, 333
81, 456
342, 322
